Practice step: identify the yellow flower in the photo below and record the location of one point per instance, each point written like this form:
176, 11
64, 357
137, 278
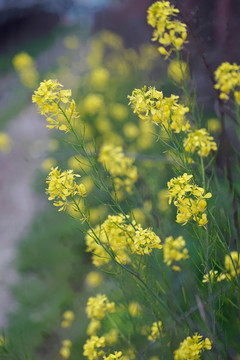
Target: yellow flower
68, 317
92, 346
189, 200
94, 279
171, 34
173, 250
228, 80
118, 111
214, 125
134, 309
131, 131
156, 330
192, 347
99, 78
65, 352
152, 105
178, 70
55, 104
93, 103
232, 264
25, 66
93, 326
63, 185
98, 306
212, 276
111, 337
145, 241
116, 356
120, 167
115, 234
201, 141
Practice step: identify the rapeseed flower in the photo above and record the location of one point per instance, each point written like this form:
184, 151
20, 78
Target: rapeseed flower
114, 235
156, 330
150, 104
111, 337
212, 276
55, 104
145, 241
170, 33
98, 306
120, 167
228, 81
65, 351
116, 356
192, 347
232, 264
200, 141
26, 68
62, 185
94, 279
134, 309
189, 200
178, 70
68, 318
91, 348
173, 250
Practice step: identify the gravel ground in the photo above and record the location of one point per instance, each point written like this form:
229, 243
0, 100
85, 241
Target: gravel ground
19, 203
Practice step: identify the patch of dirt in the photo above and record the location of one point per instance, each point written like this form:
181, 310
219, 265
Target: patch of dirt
19, 203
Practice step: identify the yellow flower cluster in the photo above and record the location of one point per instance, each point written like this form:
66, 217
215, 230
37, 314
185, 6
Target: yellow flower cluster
68, 317
25, 66
152, 105
116, 235
111, 336
201, 141
121, 238
192, 347
228, 80
99, 78
156, 330
116, 356
61, 185
96, 310
232, 264
212, 276
98, 306
170, 33
134, 309
145, 241
55, 104
189, 200
178, 70
65, 351
173, 250
120, 167
231, 267
91, 348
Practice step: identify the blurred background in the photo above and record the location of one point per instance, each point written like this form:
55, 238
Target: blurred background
102, 50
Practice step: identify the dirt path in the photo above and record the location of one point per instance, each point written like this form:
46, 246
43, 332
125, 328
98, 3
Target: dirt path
18, 202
